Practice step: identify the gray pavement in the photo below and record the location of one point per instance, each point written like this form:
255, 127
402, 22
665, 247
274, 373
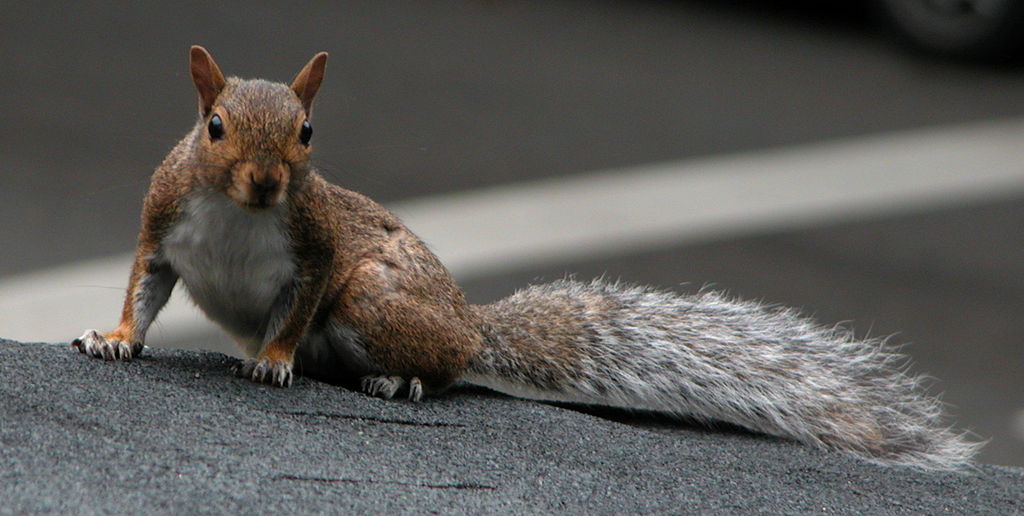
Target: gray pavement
428, 97
431, 97
174, 433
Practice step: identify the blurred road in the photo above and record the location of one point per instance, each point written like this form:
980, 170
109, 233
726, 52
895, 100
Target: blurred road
429, 98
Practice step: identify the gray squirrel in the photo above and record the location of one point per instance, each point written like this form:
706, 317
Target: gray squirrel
310, 277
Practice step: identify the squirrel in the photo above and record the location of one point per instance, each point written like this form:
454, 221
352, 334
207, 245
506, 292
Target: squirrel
315, 279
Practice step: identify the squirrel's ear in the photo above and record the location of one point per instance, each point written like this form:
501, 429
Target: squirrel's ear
206, 76
308, 80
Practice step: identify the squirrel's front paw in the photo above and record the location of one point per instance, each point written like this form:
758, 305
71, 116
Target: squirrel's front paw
386, 386
106, 347
265, 370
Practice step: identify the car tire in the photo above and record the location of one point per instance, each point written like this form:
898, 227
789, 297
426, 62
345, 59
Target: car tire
977, 29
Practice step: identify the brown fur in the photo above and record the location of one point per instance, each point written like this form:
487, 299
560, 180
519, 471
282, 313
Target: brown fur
357, 263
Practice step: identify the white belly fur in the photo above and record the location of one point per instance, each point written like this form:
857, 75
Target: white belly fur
234, 263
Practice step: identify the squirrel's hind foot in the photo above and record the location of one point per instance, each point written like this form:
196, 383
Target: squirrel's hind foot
387, 386
265, 370
106, 347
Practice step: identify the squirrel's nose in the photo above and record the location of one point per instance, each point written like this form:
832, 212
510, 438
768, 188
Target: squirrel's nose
260, 183
264, 183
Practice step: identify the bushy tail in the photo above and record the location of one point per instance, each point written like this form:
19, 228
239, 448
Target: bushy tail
712, 358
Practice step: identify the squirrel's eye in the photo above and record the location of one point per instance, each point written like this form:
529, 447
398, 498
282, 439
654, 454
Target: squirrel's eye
216, 128
306, 133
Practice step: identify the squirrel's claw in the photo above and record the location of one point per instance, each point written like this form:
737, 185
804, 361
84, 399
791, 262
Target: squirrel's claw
265, 370
95, 344
415, 389
386, 386
381, 386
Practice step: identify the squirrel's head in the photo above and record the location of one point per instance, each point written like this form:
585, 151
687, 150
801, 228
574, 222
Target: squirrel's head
254, 140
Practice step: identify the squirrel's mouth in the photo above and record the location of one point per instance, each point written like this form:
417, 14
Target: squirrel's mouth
256, 206
257, 201
258, 196
260, 203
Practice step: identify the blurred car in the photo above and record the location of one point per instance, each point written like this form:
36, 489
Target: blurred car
977, 29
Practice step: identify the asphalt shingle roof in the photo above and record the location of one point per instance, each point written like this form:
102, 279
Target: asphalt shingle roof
174, 432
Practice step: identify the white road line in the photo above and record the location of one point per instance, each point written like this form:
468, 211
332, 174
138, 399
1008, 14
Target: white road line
1017, 425
611, 212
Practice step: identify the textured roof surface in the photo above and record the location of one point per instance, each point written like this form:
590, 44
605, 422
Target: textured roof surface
173, 431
